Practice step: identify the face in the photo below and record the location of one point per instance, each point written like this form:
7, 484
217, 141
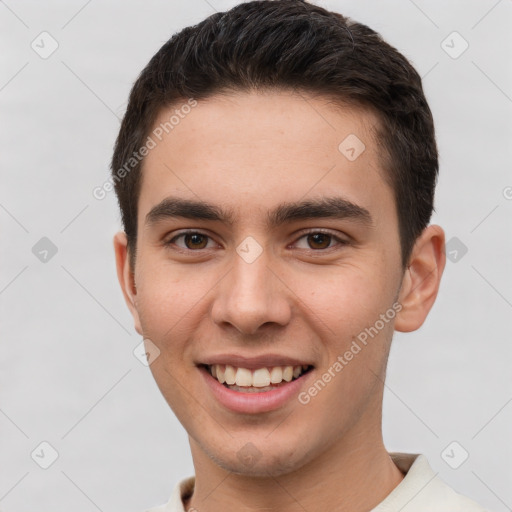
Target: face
267, 240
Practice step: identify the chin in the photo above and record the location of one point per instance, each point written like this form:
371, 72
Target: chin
253, 462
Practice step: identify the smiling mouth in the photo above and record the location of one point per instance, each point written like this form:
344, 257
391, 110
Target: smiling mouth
258, 380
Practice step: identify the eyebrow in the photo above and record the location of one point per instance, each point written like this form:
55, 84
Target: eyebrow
325, 207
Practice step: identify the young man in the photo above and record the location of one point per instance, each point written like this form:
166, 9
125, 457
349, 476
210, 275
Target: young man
275, 171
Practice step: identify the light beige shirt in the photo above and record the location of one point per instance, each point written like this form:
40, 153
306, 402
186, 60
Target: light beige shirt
420, 491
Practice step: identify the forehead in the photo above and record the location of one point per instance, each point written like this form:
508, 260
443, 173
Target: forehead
256, 149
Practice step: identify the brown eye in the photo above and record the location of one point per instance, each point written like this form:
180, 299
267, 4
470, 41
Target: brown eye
319, 240
191, 241
195, 240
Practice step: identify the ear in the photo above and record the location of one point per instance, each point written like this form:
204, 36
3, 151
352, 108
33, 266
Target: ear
126, 276
421, 279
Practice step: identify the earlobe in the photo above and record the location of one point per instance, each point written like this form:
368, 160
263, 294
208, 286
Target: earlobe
421, 279
125, 276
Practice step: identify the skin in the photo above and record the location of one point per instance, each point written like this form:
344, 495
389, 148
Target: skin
250, 152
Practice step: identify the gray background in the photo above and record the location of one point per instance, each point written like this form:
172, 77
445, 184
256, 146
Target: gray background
68, 375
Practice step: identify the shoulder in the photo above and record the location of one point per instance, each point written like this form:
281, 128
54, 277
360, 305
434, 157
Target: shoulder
422, 490
440, 496
182, 489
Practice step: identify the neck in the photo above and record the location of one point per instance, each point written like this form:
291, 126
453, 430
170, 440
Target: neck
354, 475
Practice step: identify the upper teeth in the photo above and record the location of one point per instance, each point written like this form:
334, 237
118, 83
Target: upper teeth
257, 378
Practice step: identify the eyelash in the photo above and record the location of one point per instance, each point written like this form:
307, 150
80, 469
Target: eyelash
340, 242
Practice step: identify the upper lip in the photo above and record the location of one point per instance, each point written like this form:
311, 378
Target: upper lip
261, 361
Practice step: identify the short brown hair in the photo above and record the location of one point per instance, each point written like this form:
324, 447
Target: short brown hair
290, 44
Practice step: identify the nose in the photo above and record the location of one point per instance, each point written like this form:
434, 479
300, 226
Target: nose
252, 296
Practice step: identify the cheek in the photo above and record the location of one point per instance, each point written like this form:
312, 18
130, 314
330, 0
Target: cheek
355, 338
167, 297
347, 301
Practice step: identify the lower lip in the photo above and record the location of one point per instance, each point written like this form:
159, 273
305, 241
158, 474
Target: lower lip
253, 403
